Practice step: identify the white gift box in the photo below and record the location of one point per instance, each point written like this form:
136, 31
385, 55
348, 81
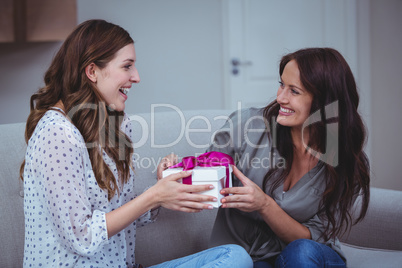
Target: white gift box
207, 175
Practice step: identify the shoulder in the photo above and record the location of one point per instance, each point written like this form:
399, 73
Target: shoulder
248, 118
247, 112
127, 124
54, 125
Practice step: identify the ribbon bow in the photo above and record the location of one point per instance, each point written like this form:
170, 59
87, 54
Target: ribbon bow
209, 159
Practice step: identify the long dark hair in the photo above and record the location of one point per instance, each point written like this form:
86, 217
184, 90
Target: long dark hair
93, 41
327, 76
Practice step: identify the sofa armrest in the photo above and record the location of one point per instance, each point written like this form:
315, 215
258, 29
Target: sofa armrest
382, 226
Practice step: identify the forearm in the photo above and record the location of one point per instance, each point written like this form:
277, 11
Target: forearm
284, 226
123, 216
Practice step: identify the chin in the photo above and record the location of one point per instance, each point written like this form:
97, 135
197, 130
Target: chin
281, 121
119, 108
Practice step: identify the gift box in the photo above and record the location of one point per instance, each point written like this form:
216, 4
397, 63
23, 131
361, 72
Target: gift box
208, 168
207, 175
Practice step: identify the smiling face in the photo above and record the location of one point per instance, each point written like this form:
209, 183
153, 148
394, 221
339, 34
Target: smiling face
115, 80
294, 100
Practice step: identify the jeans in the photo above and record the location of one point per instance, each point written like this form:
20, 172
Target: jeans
232, 256
305, 253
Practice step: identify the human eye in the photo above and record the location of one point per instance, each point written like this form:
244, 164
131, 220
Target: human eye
281, 84
127, 66
294, 91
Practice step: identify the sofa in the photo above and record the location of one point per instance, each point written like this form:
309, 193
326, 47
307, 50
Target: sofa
374, 242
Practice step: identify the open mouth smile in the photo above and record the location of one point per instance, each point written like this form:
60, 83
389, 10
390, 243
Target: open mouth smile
124, 90
286, 111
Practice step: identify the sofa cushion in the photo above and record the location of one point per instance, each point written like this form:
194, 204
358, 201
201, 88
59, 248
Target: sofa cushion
173, 235
381, 228
12, 148
371, 258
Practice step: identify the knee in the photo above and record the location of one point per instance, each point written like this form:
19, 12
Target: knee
243, 259
303, 245
301, 251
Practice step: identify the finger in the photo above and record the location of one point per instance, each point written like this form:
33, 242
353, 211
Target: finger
184, 209
189, 209
179, 175
239, 205
196, 205
174, 159
198, 188
165, 163
236, 198
170, 160
190, 204
234, 190
200, 198
244, 180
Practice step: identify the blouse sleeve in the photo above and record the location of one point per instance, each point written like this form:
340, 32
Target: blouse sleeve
59, 166
148, 217
151, 215
316, 228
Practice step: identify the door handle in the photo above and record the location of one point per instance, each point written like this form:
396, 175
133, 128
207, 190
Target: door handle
236, 63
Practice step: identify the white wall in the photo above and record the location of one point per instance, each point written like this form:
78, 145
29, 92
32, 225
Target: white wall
179, 53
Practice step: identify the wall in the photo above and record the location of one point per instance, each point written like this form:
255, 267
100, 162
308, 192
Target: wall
175, 60
386, 88
22, 67
179, 53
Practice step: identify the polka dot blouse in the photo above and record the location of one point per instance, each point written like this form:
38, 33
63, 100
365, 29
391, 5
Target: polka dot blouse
65, 224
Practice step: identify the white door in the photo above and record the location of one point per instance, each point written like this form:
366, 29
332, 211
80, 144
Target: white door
258, 32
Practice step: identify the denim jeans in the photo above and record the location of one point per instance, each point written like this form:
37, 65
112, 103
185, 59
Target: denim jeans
223, 256
305, 253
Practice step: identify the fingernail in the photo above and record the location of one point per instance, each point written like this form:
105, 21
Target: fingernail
223, 200
222, 192
215, 199
211, 187
210, 207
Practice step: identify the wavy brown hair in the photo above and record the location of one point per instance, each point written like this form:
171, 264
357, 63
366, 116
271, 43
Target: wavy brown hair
93, 41
327, 76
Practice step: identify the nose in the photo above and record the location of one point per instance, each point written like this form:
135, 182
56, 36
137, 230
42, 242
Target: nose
135, 77
282, 96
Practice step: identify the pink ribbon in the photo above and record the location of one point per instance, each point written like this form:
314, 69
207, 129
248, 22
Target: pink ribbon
209, 159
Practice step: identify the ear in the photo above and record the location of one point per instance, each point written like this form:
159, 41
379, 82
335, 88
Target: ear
90, 71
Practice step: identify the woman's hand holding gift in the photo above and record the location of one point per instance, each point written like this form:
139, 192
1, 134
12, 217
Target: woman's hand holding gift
165, 163
173, 195
248, 198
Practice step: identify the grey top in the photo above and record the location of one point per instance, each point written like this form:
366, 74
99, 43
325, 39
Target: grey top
245, 137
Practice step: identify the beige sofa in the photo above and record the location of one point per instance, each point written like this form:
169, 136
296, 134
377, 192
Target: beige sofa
375, 242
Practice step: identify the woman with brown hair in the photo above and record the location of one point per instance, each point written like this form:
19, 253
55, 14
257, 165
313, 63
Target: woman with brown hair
79, 202
301, 166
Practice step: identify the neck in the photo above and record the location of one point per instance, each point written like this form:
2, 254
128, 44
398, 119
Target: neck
60, 105
299, 140
300, 149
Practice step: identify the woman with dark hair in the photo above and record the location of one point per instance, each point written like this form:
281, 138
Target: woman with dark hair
79, 202
301, 166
